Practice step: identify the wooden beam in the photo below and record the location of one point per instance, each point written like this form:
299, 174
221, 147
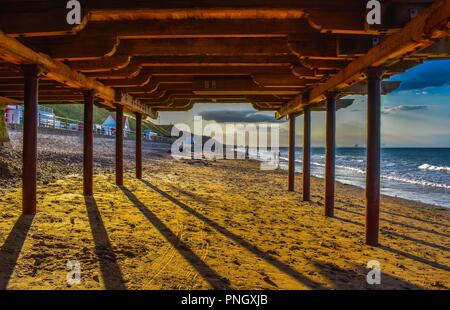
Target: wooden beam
9, 101
340, 18
422, 31
67, 48
236, 70
14, 52
200, 28
340, 104
116, 62
361, 88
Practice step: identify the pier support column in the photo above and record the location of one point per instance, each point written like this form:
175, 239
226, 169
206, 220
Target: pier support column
88, 149
307, 155
373, 155
330, 155
29, 157
291, 153
119, 145
138, 146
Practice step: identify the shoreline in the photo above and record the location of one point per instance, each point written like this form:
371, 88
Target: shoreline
69, 160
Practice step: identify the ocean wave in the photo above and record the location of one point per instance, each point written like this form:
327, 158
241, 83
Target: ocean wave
358, 170
394, 178
399, 179
416, 182
428, 167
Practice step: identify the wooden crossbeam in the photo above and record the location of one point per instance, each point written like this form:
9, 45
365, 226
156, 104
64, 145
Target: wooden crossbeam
8, 101
98, 47
344, 15
218, 28
192, 70
422, 31
14, 52
361, 88
121, 62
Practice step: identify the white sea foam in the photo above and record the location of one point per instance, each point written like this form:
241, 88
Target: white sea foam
417, 182
400, 179
428, 167
354, 169
393, 178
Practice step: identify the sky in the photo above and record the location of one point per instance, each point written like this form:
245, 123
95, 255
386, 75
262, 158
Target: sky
417, 114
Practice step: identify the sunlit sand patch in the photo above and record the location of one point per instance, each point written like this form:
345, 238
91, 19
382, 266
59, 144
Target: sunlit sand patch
224, 225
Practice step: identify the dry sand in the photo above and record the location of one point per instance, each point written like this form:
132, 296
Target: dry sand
203, 225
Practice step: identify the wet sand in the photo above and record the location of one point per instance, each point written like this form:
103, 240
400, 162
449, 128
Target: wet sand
209, 225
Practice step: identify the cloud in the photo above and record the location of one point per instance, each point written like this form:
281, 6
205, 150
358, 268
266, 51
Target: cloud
245, 116
435, 73
402, 108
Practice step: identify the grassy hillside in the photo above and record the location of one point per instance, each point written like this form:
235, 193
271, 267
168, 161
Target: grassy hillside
3, 131
75, 112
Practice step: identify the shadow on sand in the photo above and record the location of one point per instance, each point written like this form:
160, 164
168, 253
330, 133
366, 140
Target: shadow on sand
344, 279
356, 206
12, 247
112, 275
402, 253
215, 280
238, 240
399, 224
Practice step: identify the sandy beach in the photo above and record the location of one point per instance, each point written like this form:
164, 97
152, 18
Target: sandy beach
196, 224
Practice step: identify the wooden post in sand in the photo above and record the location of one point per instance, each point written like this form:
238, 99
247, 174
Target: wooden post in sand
307, 154
291, 153
330, 155
119, 145
373, 155
88, 150
138, 146
29, 157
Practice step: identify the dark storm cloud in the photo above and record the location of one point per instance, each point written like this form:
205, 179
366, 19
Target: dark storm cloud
402, 108
246, 116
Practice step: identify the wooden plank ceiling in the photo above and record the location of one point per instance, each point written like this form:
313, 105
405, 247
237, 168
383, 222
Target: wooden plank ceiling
169, 55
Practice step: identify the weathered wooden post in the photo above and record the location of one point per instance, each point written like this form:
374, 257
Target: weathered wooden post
119, 145
138, 146
88, 150
330, 155
373, 155
307, 154
291, 153
29, 156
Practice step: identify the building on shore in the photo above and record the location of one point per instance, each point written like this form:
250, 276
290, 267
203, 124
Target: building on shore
109, 125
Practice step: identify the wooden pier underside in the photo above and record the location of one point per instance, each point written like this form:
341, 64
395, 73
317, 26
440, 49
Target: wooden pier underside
151, 56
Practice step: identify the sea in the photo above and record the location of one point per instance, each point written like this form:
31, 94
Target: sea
420, 174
